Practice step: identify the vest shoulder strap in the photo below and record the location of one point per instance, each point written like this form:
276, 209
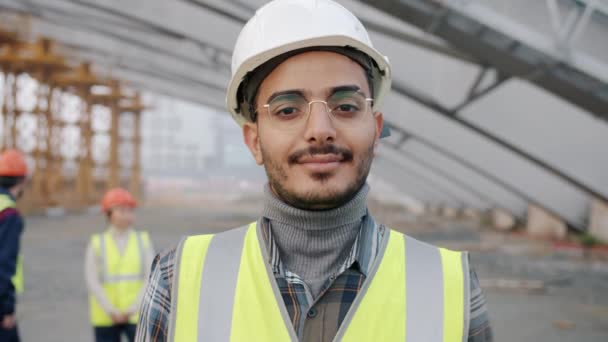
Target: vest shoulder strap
145, 237
207, 306
142, 244
436, 270
96, 243
6, 202
184, 293
432, 281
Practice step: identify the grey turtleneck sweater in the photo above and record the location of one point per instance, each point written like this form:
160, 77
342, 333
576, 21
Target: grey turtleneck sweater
314, 244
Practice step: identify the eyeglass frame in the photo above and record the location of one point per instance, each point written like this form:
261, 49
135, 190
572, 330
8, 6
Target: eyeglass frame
327, 110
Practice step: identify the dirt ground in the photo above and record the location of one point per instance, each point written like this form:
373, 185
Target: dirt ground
572, 306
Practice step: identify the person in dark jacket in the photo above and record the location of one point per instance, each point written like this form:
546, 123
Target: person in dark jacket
13, 171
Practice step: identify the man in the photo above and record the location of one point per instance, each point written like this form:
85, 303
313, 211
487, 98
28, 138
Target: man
117, 263
306, 88
13, 171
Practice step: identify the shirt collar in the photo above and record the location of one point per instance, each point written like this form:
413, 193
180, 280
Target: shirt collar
119, 232
361, 256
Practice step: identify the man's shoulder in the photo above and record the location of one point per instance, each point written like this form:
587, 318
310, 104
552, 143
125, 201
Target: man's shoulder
241, 229
10, 212
166, 258
412, 238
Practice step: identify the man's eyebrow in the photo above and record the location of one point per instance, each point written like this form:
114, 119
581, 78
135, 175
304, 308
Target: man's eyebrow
285, 92
300, 92
349, 87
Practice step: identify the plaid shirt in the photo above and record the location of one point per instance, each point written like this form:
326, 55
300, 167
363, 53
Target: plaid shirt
338, 292
313, 320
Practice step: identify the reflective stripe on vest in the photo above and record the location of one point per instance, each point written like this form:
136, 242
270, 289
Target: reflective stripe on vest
18, 278
121, 275
224, 290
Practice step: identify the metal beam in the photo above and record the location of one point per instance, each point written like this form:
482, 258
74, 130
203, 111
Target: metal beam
478, 170
78, 11
410, 183
473, 27
125, 53
129, 32
481, 197
178, 17
430, 103
424, 43
425, 178
157, 83
225, 8
475, 93
502, 197
468, 198
481, 172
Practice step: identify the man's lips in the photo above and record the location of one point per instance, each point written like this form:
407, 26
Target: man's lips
320, 154
320, 159
321, 163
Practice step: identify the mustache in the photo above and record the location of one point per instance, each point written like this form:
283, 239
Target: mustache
344, 153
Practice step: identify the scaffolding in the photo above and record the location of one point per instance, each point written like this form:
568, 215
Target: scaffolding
47, 114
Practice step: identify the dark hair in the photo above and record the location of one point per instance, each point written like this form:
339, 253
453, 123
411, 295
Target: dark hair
8, 182
248, 90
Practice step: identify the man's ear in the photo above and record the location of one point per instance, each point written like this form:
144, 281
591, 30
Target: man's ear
379, 121
252, 140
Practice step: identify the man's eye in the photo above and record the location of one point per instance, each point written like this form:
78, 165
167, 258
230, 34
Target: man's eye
346, 108
288, 111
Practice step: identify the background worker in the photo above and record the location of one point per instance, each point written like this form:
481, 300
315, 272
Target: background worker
117, 264
13, 172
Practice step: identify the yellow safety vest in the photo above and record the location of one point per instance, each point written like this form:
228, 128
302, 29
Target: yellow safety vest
224, 290
121, 275
17, 279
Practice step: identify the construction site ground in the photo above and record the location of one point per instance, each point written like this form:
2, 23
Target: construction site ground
535, 292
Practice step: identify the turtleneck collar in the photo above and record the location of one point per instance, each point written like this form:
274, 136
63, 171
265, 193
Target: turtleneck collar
278, 211
314, 244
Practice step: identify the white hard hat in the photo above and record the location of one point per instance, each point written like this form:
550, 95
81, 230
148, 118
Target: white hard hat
282, 26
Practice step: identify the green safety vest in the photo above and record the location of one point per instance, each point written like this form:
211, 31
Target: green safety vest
122, 275
224, 290
17, 279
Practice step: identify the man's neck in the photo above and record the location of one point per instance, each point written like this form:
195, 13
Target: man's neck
314, 244
15, 192
116, 230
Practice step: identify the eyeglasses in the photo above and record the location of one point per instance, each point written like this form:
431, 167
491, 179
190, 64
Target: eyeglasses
291, 111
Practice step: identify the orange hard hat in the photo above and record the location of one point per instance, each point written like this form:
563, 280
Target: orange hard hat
12, 164
117, 197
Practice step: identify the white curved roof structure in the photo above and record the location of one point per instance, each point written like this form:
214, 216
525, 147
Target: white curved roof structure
495, 103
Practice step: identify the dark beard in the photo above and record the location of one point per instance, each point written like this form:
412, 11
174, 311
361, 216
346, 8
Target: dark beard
311, 201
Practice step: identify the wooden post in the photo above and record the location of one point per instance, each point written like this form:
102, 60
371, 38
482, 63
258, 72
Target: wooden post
5, 99
15, 113
41, 63
80, 82
114, 162
111, 101
8, 61
85, 182
136, 108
